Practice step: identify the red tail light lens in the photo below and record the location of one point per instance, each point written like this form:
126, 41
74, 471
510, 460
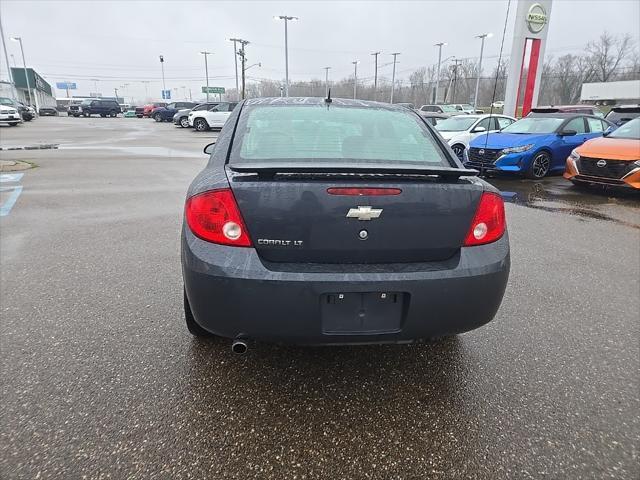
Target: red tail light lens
489, 222
354, 191
214, 216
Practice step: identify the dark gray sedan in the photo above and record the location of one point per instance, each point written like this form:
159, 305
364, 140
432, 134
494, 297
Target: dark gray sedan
339, 222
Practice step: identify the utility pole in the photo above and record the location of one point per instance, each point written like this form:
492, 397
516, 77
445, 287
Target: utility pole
24, 63
326, 82
355, 78
235, 59
375, 75
164, 87
146, 88
286, 50
4, 46
455, 78
393, 75
243, 58
475, 97
206, 70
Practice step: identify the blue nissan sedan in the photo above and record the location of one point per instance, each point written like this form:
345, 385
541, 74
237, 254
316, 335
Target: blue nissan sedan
536, 145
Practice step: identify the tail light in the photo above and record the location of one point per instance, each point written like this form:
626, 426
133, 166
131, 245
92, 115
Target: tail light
488, 223
214, 216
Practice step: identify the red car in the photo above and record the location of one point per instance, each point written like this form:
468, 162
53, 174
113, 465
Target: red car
148, 108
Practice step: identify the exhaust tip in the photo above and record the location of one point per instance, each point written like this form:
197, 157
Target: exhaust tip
239, 347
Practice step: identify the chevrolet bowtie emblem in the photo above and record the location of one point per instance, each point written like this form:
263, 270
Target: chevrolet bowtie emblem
364, 213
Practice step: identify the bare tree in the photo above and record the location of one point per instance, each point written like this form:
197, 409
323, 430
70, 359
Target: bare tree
607, 53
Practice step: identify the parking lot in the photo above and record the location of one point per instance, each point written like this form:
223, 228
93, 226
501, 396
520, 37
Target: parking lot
100, 378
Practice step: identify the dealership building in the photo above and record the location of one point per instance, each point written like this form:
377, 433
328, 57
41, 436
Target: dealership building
41, 91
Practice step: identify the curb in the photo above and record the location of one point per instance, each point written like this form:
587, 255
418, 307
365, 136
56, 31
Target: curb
44, 146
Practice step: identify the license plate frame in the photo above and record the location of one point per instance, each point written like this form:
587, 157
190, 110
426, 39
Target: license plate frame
362, 313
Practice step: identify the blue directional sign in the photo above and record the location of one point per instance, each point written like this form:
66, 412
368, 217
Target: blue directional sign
66, 85
166, 94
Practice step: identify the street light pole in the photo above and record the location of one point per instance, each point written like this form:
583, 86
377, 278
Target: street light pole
439, 45
206, 70
475, 97
326, 82
286, 51
375, 75
393, 75
355, 78
164, 87
24, 63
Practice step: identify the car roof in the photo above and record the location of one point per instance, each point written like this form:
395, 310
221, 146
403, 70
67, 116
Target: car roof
343, 102
560, 108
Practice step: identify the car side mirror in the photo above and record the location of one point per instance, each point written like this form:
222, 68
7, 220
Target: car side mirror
568, 133
209, 148
479, 130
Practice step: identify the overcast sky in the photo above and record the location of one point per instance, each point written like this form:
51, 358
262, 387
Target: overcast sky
119, 42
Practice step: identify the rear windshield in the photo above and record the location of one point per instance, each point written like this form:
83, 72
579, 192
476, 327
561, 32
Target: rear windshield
456, 124
316, 133
630, 130
623, 115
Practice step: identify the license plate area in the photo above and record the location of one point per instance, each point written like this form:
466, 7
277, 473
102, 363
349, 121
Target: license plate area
361, 313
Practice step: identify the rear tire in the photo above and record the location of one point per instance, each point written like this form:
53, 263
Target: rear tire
200, 124
540, 166
184, 122
157, 117
113, 114
193, 327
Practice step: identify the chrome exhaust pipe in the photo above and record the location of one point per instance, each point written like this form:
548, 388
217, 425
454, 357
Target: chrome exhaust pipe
239, 346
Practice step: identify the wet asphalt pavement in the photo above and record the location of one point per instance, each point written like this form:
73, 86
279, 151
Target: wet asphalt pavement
100, 378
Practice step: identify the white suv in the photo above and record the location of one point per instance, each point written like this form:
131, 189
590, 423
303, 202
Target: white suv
214, 117
458, 131
9, 115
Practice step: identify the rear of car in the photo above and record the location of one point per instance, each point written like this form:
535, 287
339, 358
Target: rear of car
613, 160
140, 112
622, 114
48, 111
346, 222
584, 109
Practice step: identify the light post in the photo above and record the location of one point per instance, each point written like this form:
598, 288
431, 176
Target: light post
24, 63
184, 92
393, 75
286, 50
355, 77
482, 37
243, 56
206, 70
164, 87
146, 89
95, 84
326, 81
116, 92
375, 75
13, 59
439, 45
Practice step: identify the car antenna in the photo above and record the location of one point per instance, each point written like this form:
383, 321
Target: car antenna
328, 99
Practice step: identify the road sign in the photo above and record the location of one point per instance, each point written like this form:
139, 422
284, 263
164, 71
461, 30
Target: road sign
212, 89
166, 94
66, 85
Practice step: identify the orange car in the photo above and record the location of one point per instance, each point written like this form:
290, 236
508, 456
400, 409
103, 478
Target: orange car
610, 160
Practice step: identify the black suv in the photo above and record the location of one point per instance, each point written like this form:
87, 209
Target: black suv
104, 108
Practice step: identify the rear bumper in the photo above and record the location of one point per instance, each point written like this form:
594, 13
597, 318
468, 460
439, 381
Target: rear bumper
232, 293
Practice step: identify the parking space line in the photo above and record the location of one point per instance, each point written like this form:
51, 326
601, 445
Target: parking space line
10, 177
6, 207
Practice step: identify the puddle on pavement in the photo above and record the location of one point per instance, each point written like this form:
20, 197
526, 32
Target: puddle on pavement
135, 150
555, 194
